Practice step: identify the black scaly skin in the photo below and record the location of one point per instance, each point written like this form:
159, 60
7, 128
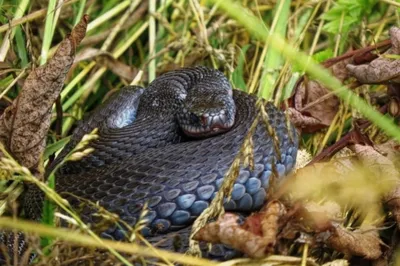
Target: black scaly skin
150, 161
155, 125
108, 116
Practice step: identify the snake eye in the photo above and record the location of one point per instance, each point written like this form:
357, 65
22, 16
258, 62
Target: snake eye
194, 118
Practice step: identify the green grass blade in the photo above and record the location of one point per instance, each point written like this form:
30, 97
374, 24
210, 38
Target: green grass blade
54, 147
273, 60
254, 26
48, 214
48, 31
133, 34
21, 47
19, 12
238, 74
108, 15
81, 9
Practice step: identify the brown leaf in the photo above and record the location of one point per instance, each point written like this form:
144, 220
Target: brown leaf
382, 69
376, 162
364, 243
308, 101
270, 223
256, 238
104, 58
304, 122
312, 100
25, 123
89, 54
391, 150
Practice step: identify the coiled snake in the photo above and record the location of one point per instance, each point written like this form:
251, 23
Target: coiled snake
170, 145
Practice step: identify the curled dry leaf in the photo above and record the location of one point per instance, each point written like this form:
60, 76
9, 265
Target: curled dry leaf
24, 124
382, 69
391, 150
316, 105
364, 243
303, 121
89, 54
105, 58
378, 163
256, 237
340, 178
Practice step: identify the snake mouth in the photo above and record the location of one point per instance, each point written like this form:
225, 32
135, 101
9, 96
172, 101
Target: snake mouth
192, 131
206, 125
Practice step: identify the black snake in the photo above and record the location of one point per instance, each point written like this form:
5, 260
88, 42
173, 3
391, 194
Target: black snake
170, 146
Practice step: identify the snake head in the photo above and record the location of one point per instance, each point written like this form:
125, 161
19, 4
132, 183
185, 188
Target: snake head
208, 114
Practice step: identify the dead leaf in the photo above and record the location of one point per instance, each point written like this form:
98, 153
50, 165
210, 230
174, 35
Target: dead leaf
316, 104
364, 243
304, 122
25, 123
105, 58
391, 150
376, 162
256, 237
89, 54
382, 69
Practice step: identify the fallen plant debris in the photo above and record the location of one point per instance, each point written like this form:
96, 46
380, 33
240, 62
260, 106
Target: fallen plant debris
24, 124
258, 234
124, 71
314, 106
385, 68
364, 243
256, 237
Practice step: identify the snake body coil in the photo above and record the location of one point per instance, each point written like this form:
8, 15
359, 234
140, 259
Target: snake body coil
143, 156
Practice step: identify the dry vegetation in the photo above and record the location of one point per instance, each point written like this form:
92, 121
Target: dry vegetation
334, 211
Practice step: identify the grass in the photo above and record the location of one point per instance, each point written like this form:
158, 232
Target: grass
50, 25
263, 48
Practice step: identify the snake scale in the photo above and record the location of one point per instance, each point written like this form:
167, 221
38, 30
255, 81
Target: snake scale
143, 154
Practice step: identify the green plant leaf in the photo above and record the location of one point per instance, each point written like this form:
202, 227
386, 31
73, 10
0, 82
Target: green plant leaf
352, 10
54, 147
238, 74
